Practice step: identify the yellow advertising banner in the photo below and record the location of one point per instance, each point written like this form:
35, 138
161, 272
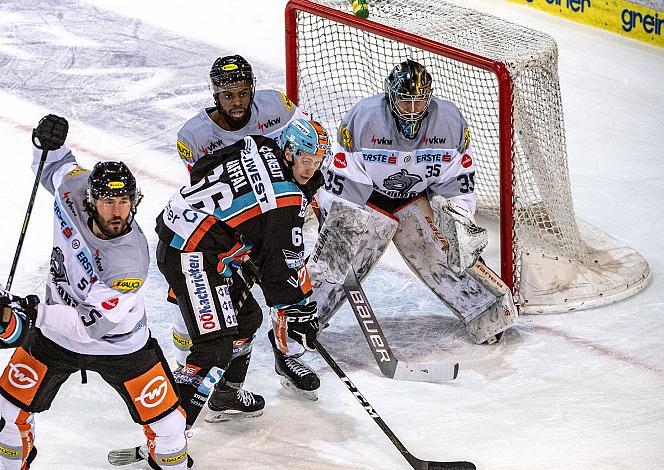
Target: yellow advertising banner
618, 16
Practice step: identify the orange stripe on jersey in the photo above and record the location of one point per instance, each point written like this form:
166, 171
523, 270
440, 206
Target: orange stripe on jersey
243, 217
305, 282
286, 201
199, 233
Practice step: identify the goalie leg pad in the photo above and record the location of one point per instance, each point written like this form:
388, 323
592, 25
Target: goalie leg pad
362, 236
490, 324
424, 250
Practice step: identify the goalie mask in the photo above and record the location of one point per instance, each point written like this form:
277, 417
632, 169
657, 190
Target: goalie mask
228, 75
408, 90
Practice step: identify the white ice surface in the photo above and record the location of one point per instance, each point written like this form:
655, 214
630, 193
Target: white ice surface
570, 391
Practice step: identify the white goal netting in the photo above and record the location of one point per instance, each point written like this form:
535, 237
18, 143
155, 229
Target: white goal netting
555, 265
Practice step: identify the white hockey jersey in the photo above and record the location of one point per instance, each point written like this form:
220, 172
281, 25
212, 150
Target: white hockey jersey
94, 302
271, 112
371, 156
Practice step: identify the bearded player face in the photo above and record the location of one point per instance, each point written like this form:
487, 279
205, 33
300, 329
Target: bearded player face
233, 104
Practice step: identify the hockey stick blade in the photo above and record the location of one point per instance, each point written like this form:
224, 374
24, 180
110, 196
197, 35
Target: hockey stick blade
128, 456
389, 365
414, 462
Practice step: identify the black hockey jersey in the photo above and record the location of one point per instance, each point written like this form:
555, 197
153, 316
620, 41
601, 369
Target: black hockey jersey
242, 200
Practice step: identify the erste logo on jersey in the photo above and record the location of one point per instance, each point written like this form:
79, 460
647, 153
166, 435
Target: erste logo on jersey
340, 160
372, 156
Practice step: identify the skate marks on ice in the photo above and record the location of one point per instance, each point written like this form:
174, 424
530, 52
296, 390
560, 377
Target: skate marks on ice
101, 68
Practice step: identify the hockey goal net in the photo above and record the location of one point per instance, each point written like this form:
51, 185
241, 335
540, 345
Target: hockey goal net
504, 78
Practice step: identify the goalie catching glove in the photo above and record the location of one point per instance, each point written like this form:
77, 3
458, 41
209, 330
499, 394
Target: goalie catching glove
301, 323
466, 240
17, 317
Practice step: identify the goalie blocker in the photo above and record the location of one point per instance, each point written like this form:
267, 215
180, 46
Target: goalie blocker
475, 294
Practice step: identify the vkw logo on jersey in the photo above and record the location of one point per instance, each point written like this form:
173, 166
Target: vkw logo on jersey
381, 140
434, 140
212, 146
97, 258
401, 182
269, 123
69, 203
57, 269
22, 376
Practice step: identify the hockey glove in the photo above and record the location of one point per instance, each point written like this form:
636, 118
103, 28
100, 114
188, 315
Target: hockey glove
466, 240
50, 133
302, 324
17, 317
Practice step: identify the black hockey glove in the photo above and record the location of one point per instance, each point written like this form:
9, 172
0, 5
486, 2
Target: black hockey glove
302, 324
51, 132
23, 310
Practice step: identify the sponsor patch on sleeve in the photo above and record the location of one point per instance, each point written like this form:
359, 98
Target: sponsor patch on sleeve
466, 140
184, 151
76, 171
346, 137
127, 284
287, 102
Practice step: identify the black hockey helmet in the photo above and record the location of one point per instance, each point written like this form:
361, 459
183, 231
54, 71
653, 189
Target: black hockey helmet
229, 70
408, 81
112, 179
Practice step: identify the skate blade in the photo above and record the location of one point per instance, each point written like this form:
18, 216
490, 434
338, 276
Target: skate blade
308, 394
230, 415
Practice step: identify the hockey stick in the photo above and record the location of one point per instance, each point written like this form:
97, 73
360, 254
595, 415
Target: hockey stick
26, 219
414, 462
131, 455
389, 365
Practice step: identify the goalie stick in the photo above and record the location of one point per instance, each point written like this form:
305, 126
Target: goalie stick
414, 462
389, 365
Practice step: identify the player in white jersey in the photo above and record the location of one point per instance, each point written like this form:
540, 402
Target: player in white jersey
93, 317
239, 111
406, 157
